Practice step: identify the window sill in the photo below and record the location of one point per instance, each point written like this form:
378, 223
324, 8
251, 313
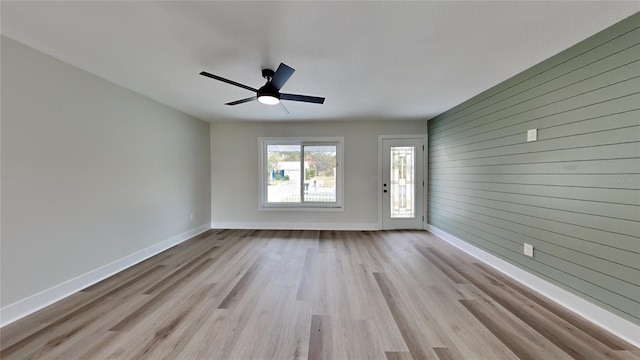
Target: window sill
301, 208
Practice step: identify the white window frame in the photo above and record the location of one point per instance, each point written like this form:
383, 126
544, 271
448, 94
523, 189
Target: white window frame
263, 142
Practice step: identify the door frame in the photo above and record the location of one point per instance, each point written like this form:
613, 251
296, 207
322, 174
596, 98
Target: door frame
422, 137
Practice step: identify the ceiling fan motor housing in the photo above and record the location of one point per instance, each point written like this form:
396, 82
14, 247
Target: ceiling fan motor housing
268, 74
269, 90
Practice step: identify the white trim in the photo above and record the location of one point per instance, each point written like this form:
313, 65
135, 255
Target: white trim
378, 186
425, 178
33, 303
391, 137
299, 208
597, 315
295, 226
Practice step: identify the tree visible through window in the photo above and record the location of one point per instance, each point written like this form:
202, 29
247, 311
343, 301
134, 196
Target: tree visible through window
301, 173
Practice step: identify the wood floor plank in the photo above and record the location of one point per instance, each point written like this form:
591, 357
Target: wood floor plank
562, 334
456, 323
145, 349
16, 331
397, 355
309, 274
452, 274
175, 274
510, 328
413, 342
359, 341
443, 353
448, 321
187, 339
320, 338
98, 344
513, 342
278, 325
87, 308
69, 330
276, 294
242, 284
384, 329
156, 300
599, 334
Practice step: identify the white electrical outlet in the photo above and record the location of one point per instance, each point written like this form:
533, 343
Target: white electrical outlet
528, 250
193, 216
532, 134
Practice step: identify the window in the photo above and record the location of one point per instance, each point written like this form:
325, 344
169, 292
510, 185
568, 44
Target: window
301, 173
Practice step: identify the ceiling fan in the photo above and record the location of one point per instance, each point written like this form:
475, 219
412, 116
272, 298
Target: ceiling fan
269, 93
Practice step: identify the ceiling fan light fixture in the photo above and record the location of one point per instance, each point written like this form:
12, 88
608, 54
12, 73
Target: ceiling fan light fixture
268, 94
268, 99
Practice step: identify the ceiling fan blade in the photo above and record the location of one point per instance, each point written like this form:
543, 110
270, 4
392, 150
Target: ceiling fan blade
281, 76
242, 101
303, 98
285, 108
216, 77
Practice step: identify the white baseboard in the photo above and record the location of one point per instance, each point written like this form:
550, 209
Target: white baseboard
295, 226
599, 316
33, 303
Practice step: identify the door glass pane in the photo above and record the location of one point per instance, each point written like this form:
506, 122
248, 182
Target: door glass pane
320, 173
283, 174
402, 182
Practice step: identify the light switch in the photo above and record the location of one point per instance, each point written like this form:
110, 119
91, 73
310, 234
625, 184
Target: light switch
528, 250
532, 134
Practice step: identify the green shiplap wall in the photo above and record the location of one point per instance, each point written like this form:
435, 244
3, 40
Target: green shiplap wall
575, 193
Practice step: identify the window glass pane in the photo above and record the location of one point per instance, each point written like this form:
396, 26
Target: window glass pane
320, 173
283, 173
402, 182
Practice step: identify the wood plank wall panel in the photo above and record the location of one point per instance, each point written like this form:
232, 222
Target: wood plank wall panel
575, 193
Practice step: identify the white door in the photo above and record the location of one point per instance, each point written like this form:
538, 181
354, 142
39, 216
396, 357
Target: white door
402, 183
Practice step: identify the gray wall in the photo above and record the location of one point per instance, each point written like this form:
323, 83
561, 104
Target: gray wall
91, 172
573, 194
234, 150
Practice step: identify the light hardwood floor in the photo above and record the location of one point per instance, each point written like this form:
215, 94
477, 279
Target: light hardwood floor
248, 294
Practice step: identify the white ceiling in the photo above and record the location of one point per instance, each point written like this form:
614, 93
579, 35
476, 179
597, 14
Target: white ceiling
371, 60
